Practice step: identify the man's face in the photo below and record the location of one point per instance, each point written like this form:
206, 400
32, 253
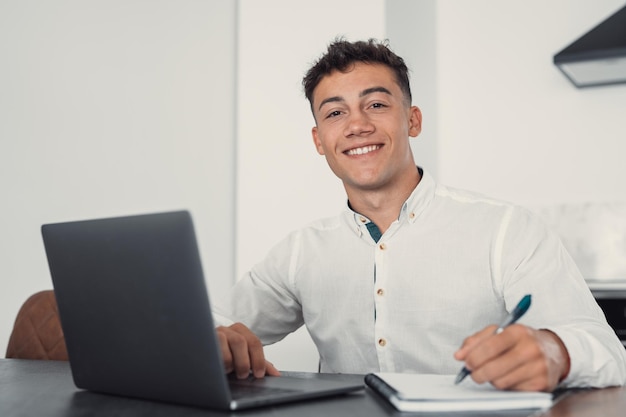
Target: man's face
363, 126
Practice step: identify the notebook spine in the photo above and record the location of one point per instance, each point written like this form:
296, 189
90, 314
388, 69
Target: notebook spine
380, 386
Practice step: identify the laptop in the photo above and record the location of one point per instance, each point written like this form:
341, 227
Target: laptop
135, 312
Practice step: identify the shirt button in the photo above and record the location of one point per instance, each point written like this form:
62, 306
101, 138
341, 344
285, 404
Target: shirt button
382, 246
412, 215
382, 342
363, 219
380, 292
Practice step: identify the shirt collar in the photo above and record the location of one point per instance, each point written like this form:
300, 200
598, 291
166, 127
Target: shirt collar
420, 198
412, 208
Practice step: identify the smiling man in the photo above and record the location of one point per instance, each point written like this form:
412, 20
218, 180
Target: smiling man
363, 122
410, 269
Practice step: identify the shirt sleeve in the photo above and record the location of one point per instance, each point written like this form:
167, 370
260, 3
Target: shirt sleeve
535, 261
264, 298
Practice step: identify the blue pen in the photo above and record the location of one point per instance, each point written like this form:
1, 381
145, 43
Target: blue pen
518, 311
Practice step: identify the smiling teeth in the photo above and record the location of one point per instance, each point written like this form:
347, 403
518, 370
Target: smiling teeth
363, 150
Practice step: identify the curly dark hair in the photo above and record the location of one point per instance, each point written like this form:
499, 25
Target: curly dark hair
342, 54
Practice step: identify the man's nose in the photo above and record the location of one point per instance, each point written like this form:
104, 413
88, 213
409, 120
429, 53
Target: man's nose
358, 124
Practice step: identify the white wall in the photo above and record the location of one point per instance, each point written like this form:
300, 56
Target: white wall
504, 120
509, 123
411, 27
112, 107
282, 183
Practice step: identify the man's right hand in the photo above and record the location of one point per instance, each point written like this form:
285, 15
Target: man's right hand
242, 352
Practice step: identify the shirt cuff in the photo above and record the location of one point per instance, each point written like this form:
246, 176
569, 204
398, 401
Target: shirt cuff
221, 320
588, 360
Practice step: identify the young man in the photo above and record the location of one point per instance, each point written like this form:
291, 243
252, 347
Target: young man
398, 281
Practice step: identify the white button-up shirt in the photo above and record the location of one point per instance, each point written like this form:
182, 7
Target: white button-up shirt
453, 263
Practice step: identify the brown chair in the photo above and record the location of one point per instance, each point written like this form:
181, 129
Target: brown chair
37, 332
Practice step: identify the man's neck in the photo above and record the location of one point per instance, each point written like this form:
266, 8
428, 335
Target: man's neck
383, 206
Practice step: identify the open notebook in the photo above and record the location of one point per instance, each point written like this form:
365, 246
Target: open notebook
420, 392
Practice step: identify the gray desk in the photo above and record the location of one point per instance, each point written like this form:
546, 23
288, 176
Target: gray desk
46, 389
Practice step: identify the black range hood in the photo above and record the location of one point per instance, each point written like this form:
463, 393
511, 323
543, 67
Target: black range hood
599, 56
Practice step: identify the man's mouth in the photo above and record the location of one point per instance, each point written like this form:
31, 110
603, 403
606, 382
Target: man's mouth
363, 150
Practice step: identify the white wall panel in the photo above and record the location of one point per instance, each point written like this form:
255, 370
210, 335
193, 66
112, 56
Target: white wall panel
113, 107
282, 183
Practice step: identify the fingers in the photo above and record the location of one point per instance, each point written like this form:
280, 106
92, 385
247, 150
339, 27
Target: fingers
473, 340
242, 352
506, 360
270, 369
227, 356
519, 358
528, 377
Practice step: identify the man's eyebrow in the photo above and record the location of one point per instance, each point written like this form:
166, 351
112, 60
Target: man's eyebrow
329, 100
363, 93
374, 90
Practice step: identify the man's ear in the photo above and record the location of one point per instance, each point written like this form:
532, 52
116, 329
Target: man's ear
316, 141
415, 121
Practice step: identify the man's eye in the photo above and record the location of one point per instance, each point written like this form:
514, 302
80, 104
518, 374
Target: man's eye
378, 105
333, 114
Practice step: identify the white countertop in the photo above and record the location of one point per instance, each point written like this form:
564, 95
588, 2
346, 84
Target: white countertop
606, 285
